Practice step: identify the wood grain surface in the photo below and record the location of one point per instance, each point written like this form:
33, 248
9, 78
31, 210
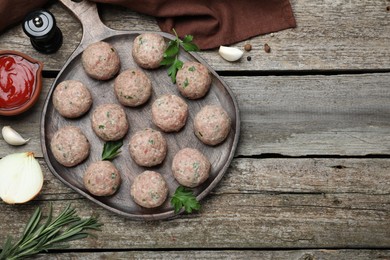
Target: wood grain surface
330, 35
260, 203
231, 254
347, 115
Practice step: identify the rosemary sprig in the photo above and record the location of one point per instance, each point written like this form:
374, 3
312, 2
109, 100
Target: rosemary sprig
171, 54
184, 197
111, 149
52, 234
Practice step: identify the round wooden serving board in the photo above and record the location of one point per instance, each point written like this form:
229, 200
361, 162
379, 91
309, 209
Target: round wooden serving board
139, 118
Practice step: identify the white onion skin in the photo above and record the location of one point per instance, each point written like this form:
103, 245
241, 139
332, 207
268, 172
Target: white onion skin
21, 178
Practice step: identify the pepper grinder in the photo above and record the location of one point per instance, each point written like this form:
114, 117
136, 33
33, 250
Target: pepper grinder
40, 26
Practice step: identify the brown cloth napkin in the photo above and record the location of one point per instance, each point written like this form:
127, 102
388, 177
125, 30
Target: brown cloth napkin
216, 22
211, 22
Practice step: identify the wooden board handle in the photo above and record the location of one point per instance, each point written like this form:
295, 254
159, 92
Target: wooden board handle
86, 12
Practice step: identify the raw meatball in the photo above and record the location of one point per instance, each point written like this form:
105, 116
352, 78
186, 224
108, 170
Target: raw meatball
212, 124
132, 88
100, 61
70, 146
190, 167
102, 178
148, 50
72, 99
193, 80
148, 147
109, 122
149, 189
169, 113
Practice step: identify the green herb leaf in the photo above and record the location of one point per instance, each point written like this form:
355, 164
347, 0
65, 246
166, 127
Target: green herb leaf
172, 70
111, 149
192, 69
188, 38
186, 83
171, 54
168, 61
190, 46
172, 50
184, 197
52, 234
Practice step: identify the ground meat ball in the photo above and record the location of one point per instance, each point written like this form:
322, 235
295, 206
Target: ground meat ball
109, 122
100, 61
190, 167
149, 189
212, 124
148, 147
169, 113
193, 80
132, 88
102, 178
148, 50
72, 99
69, 146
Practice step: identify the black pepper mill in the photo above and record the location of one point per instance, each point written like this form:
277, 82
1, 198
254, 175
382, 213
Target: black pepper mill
44, 35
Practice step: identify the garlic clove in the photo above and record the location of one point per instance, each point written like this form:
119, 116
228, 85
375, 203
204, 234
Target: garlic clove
230, 53
21, 178
12, 137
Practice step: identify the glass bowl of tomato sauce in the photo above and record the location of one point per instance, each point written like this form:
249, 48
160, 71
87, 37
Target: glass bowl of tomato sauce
20, 82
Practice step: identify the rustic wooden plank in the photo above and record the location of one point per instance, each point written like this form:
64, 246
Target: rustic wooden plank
239, 221
333, 115
343, 203
319, 176
280, 176
229, 254
289, 115
331, 35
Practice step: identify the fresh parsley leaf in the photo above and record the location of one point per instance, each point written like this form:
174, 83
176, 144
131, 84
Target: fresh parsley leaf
172, 70
168, 61
171, 54
172, 50
111, 150
190, 46
184, 197
188, 38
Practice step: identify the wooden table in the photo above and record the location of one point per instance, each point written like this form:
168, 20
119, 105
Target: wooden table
311, 174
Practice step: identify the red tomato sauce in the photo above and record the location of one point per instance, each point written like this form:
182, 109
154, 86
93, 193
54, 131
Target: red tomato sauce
17, 80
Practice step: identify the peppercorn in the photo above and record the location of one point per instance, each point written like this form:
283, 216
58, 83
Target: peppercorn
267, 49
249, 58
247, 47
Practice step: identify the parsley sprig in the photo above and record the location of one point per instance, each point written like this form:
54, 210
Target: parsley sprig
184, 197
171, 54
52, 234
111, 149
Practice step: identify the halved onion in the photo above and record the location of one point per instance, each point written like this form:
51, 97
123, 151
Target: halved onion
21, 178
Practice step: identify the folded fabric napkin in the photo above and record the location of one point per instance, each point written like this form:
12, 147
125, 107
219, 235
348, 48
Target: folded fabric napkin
211, 22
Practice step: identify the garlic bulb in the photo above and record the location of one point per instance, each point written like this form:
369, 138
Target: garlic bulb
12, 137
230, 53
21, 178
